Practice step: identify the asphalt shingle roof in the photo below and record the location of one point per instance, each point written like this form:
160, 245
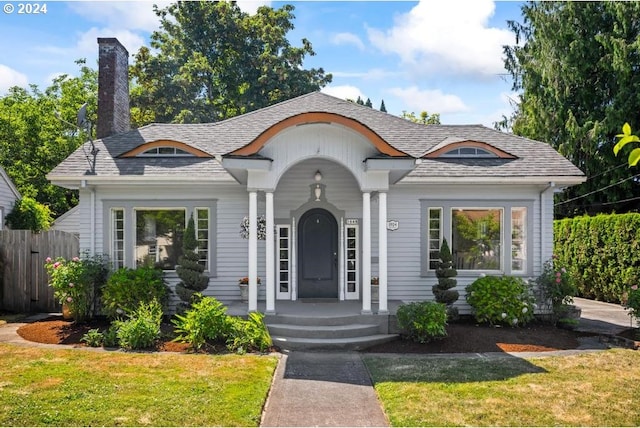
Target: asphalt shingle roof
534, 158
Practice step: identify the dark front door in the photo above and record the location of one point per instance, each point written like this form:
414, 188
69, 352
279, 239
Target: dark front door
317, 255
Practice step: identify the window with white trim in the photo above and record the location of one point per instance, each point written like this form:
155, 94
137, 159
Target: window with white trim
117, 238
468, 152
202, 234
150, 233
351, 258
283, 271
482, 237
518, 239
165, 151
434, 237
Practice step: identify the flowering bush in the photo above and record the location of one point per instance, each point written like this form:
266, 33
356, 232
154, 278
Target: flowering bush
631, 301
70, 284
262, 228
556, 285
501, 300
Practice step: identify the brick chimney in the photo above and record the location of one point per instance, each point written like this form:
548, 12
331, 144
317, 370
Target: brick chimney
113, 88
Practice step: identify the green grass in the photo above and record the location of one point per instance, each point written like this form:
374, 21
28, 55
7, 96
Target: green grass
594, 389
55, 387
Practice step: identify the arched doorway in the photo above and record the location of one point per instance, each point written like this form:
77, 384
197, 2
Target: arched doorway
317, 255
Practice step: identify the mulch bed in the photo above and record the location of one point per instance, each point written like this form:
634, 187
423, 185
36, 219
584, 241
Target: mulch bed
463, 337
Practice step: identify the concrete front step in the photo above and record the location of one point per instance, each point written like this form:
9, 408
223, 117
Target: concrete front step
334, 344
314, 320
323, 331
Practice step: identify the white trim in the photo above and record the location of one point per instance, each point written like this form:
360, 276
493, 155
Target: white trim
355, 294
293, 255
483, 179
382, 253
366, 253
342, 287
253, 252
269, 256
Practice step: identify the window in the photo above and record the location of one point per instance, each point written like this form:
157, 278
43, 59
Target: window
518, 239
159, 237
469, 152
165, 151
150, 233
476, 236
202, 234
489, 238
434, 237
117, 248
283, 276
352, 262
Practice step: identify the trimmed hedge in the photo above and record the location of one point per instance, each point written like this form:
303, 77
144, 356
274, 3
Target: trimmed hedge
601, 253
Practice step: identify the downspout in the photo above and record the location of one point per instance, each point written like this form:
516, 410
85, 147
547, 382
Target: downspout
92, 217
543, 218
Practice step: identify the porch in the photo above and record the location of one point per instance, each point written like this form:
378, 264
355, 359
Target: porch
325, 324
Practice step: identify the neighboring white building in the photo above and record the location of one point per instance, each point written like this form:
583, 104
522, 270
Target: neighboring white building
8, 196
348, 193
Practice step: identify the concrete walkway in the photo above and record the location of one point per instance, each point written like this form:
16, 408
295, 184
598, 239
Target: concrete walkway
322, 389
335, 389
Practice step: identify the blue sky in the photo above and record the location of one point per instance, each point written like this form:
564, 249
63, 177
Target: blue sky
442, 56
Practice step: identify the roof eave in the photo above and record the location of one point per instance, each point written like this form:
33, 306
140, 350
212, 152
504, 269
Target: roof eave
560, 181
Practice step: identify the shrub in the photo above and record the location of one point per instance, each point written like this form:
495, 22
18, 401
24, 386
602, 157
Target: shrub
631, 301
423, 321
189, 269
71, 286
248, 335
142, 329
29, 214
127, 288
110, 337
501, 300
446, 273
206, 320
555, 285
93, 338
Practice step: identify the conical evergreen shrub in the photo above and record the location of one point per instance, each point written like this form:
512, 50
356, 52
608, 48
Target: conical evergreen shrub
446, 273
189, 270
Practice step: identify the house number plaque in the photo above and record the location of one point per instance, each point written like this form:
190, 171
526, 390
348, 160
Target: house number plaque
352, 221
393, 225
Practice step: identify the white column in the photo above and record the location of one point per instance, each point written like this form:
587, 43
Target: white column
366, 253
270, 257
382, 253
253, 251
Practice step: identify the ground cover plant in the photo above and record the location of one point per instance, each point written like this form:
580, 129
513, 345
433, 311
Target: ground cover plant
47, 387
590, 389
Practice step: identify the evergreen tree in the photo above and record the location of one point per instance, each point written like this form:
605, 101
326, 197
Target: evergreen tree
189, 269
383, 108
446, 273
359, 101
368, 103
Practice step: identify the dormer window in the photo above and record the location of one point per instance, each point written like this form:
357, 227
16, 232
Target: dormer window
468, 152
165, 151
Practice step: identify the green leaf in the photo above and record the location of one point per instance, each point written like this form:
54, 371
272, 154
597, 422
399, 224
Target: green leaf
634, 157
624, 141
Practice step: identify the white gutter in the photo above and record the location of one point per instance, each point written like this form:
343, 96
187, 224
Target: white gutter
543, 180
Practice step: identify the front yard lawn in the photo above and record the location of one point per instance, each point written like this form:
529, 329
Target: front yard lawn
593, 389
85, 388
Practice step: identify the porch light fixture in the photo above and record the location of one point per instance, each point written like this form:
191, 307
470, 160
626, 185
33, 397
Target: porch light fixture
318, 189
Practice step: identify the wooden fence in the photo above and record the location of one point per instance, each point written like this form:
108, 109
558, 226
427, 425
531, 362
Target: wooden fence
23, 254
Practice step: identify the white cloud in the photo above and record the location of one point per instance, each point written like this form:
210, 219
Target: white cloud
344, 92
131, 15
347, 39
251, 6
88, 41
10, 77
371, 75
431, 101
450, 36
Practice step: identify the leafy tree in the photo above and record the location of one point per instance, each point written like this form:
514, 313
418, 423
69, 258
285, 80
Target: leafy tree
425, 118
190, 270
575, 65
383, 108
625, 138
33, 141
29, 214
212, 61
